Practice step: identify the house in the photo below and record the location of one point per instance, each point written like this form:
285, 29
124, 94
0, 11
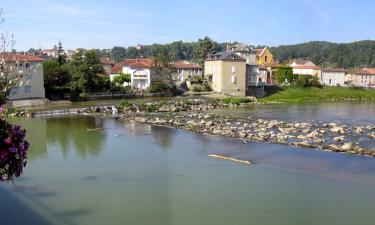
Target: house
30, 84
141, 71
333, 76
184, 70
361, 78
300, 62
308, 70
107, 65
263, 56
227, 73
257, 75
247, 52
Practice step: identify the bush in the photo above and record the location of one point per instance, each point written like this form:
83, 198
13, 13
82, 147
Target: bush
307, 81
159, 87
207, 87
197, 88
125, 103
236, 101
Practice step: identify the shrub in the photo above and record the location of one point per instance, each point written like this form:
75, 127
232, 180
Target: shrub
236, 101
207, 87
197, 88
125, 103
159, 87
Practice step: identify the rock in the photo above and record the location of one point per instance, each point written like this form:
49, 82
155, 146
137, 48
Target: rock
358, 130
371, 135
347, 146
338, 139
209, 123
337, 129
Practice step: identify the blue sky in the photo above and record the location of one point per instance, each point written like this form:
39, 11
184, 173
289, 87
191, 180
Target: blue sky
105, 23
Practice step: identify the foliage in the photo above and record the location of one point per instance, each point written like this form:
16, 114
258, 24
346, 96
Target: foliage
55, 75
197, 88
158, 87
118, 53
237, 100
285, 75
13, 150
356, 54
307, 81
301, 94
61, 56
203, 49
125, 103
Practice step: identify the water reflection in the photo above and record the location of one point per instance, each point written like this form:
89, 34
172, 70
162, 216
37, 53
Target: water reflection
80, 134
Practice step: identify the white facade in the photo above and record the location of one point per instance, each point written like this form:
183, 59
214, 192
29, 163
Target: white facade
333, 78
31, 81
140, 77
307, 71
361, 80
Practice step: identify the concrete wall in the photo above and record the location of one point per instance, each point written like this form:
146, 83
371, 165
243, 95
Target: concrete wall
31, 82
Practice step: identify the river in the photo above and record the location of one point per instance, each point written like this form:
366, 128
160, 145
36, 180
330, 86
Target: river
127, 173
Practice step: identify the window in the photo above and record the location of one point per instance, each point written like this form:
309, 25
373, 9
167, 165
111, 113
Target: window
330, 81
29, 77
265, 58
15, 90
233, 79
27, 89
233, 69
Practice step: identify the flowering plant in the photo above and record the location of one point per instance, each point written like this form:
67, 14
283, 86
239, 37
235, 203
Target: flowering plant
13, 149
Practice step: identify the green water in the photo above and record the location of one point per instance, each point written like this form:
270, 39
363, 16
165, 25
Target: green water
138, 174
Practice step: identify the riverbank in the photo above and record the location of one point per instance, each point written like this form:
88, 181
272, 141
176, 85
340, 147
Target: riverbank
297, 95
194, 116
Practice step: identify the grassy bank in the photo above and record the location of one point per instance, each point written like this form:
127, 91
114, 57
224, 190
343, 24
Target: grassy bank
292, 95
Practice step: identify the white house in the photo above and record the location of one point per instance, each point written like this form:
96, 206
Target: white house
184, 70
308, 70
333, 76
29, 69
141, 72
301, 62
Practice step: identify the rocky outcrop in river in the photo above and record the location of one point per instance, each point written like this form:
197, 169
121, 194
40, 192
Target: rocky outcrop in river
193, 115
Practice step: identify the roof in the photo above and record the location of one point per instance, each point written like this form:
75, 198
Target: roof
116, 69
364, 71
106, 62
308, 67
128, 62
336, 70
260, 51
141, 65
20, 57
186, 65
242, 48
302, 62
225, 56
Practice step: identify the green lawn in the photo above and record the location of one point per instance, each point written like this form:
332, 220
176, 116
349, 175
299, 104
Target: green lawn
292, 94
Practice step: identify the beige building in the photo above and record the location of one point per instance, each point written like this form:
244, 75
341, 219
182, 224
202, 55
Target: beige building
308, 70
361, 78
227, 73
247, 52
29, 69
184, 70
333, 76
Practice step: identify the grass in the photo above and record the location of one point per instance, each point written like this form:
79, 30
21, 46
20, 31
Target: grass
292, 95
236, 100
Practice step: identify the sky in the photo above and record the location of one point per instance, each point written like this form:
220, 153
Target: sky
108, 23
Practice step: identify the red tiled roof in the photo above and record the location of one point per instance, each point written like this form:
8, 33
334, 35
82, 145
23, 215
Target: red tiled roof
116, 69
307, 67
141, 65
20, 57
128, 62
339, 70
184, 65
364, 71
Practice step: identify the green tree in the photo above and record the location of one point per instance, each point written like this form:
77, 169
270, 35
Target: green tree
203, 49
284, 74
132, 53
118, 53
121, 79
61, 56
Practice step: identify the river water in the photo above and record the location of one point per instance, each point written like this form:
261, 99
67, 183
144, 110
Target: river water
127, 173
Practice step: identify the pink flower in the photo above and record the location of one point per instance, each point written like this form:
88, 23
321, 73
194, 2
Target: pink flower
1, 109
3, 155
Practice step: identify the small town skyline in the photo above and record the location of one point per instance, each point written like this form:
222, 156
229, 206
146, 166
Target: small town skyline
101, 25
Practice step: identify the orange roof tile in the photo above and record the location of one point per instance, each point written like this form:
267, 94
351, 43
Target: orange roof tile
20, 57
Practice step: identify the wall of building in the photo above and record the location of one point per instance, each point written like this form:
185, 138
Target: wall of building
266, 58
312, 72
333, 78
228, 76
31, 82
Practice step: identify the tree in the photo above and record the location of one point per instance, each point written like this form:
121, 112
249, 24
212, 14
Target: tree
132, 53
55, 75
284, 74
121, 79
203, 49
61, 56
85, 67
118, 53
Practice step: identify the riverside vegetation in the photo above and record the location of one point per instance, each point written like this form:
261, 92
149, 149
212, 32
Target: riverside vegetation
193, 115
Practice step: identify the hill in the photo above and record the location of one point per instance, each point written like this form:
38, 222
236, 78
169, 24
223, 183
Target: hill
348, 55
